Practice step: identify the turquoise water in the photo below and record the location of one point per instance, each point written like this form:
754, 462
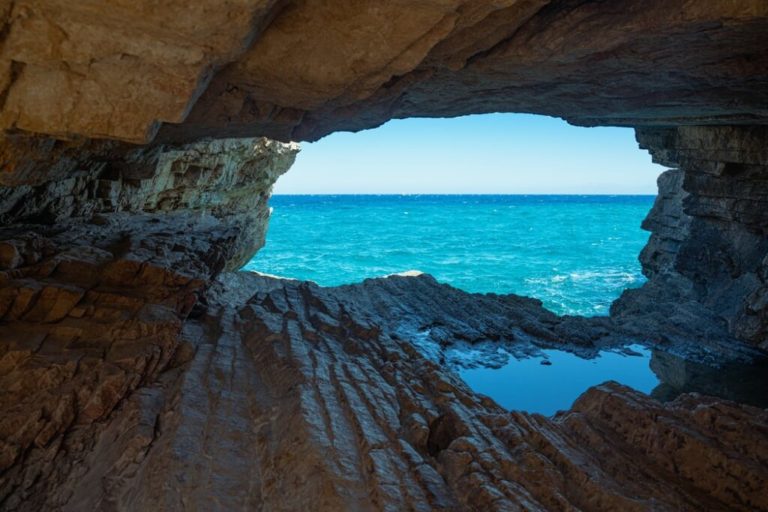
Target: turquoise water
575, 253
528, 385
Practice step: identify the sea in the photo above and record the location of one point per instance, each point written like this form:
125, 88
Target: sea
576, 253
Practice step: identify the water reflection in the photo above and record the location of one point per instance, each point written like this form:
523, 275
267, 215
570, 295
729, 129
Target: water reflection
740, 382
551, 383
554, 380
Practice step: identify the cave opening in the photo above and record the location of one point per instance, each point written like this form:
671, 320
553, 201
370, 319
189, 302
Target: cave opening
495, 203
498, 203
141, 370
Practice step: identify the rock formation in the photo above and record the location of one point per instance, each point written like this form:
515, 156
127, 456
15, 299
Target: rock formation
98, 271
707, 259
138, 372
302, 69
292, 400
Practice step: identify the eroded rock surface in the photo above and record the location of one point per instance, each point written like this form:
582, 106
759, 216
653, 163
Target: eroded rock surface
70, 186
707, 259
293, 400
137, 374
302, 69
97, 274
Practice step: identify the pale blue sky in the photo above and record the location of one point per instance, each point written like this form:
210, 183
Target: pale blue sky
491, 153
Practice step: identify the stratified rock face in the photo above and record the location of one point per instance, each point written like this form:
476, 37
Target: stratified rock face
97, 273
707, 259
302, 69
293, 400
224, 181
135, 374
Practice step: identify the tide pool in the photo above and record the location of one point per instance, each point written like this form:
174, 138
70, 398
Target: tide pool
528, 385
575, 253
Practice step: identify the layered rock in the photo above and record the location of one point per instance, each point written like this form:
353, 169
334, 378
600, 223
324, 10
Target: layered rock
294, 400
707, 259
135, 374
302, 69
225, 182
97, 274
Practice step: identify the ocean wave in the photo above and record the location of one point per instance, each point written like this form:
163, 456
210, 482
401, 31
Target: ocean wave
576, 255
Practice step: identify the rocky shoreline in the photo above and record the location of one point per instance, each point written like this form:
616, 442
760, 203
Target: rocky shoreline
139, 372
294, 399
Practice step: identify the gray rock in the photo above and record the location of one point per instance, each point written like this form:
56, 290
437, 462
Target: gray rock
706, 258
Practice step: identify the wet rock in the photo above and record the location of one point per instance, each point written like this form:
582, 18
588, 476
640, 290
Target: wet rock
736, 381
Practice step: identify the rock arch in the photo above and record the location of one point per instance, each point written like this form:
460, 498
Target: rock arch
138, 373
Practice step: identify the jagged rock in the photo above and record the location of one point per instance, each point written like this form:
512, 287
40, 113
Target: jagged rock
296, 401
224, 181
448, 323
92, 302
135, 375
707, 255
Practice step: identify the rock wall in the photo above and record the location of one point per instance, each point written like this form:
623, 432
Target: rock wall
226, 181
305, 68
98, 272
136, 373
707, 258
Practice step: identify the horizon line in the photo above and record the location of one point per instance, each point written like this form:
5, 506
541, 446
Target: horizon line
460, 194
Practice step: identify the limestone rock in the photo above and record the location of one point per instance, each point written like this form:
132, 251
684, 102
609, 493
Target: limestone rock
303, 69
227, 181
99, 272
136, 374
115, 71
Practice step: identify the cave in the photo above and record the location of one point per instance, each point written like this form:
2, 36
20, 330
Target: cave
140, 370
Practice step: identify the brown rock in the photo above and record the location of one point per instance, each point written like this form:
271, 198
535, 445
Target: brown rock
300, 70
359, 429
134, 375
9, 256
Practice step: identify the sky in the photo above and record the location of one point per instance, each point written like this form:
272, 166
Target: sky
480, 154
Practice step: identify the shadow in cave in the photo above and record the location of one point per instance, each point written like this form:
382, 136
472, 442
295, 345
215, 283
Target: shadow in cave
736, 381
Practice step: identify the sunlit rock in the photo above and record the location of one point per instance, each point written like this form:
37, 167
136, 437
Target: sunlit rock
137, 373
